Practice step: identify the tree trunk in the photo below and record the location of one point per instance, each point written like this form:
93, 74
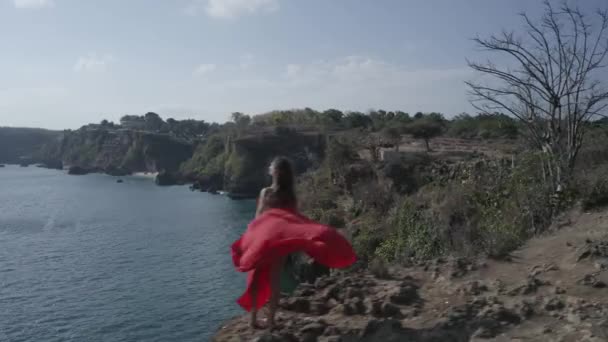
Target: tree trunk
428, 146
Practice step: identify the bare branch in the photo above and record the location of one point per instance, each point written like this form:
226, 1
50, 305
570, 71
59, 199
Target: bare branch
553, 88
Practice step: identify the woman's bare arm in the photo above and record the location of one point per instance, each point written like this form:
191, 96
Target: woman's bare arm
261, 203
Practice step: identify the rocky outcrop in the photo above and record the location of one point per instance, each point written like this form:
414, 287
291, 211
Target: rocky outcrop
78, 171
167, 178
547, 294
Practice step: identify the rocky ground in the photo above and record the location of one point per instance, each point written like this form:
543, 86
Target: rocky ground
552, 289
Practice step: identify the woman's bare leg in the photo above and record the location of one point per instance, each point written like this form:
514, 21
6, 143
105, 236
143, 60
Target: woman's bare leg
275, 291
254, 300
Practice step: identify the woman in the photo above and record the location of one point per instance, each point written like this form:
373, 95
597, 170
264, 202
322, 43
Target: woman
277, 231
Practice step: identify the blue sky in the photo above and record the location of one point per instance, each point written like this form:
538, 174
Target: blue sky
64, 63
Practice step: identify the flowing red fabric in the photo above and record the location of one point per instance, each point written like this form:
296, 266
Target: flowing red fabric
277, 233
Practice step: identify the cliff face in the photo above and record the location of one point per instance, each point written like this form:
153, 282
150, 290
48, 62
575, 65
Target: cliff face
118, 151
21, 145
237, 165
246, 168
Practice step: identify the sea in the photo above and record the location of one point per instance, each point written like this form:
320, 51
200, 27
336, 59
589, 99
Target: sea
89, 258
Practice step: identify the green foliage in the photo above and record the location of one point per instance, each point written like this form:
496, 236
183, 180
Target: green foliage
357, 120
415, 234
208, 158
188, 130
213, 147
134, 155
215, 166
338, 154
486, 126
153, 122
296, 117
366, 239
332, 116
597, 197
495, 208
240, 119
23, 143
236, 165
592, 186
424, 129
486, 207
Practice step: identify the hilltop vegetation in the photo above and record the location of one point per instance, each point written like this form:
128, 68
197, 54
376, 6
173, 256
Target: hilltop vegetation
21, 145
401, 185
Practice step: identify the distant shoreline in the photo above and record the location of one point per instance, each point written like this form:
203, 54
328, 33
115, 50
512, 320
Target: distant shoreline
151, 175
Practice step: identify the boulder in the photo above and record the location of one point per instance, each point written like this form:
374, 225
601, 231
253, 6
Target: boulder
78, 171
405, 295
166, 178
52, 164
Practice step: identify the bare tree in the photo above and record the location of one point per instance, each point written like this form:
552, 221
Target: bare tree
551, 83
373, 143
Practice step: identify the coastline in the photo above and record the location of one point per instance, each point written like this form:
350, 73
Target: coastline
151, 175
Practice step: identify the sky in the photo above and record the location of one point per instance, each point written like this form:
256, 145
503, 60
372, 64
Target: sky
66, 63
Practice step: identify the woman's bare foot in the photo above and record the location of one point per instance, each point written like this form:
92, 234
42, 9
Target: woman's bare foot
255, 324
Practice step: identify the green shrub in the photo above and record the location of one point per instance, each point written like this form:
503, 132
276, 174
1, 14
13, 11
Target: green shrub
486, 126
595, 194
366, 238
415, 234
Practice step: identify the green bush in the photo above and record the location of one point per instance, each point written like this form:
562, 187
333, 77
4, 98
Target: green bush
487, 208
366, 240
485, 126
594, 192
415, 234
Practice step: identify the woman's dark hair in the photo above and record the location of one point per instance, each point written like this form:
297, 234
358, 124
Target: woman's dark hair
283, 194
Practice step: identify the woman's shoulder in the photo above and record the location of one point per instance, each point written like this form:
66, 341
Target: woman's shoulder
265, 192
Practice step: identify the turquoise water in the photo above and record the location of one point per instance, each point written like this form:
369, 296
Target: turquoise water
83, 258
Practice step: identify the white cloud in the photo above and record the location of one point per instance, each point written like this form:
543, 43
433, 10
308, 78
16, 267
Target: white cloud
33, 4
361, 71
357, 83
292, 70
204, 69
227, 9
93, 63
246, 61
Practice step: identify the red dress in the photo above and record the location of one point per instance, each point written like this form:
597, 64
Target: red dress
277, 233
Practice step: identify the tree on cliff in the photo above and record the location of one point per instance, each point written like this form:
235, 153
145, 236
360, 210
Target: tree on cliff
153, 122
357, 120
240, 119
332, 116
393, 135
551, 83
424, 129
133, 122
402, 117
